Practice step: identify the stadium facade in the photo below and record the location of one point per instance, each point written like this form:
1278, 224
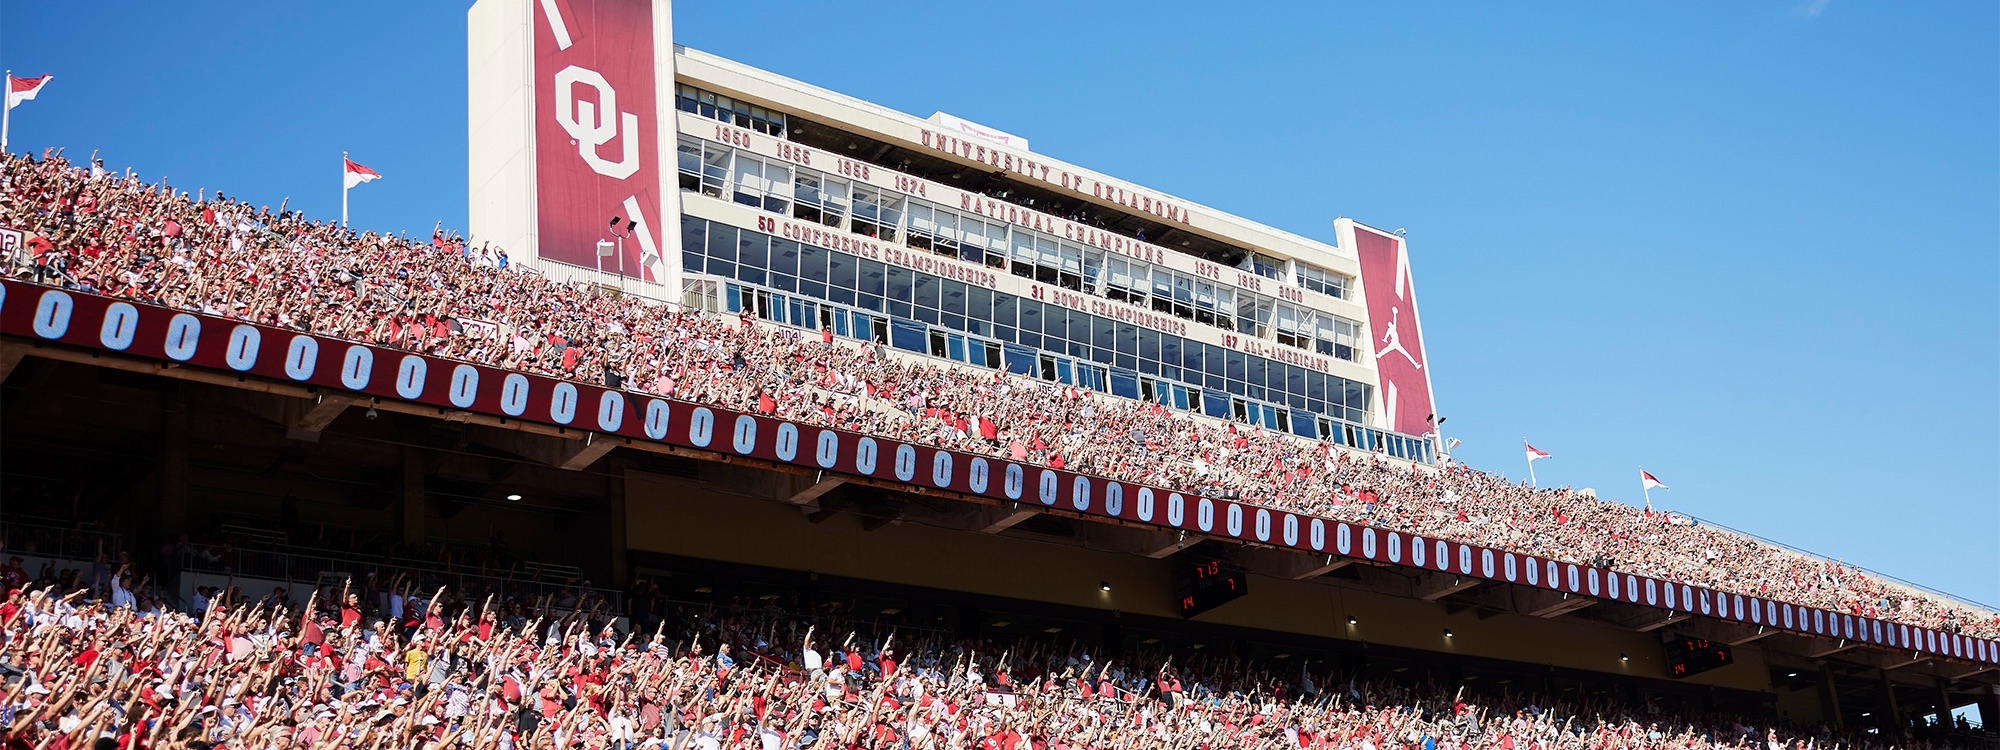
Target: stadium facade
938, 236
303, 455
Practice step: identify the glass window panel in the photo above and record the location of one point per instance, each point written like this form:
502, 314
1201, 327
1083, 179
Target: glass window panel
785, 257
694, 240
722, 242
1103, 332
840, 295
812, 264
873, 278
841, 269
1215, 404
1124, 383
1303, 425
953, 296
1019, 359
927, 291
723, 268
979, 303
908, 336
900, 280
753, 249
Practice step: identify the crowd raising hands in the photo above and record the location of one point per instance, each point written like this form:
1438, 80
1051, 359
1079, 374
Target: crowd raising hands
447, 673
115, 235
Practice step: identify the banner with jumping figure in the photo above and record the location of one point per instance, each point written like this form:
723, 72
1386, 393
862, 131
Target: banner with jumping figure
41, 314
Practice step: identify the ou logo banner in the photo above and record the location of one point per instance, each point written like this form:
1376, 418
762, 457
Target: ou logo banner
596, 124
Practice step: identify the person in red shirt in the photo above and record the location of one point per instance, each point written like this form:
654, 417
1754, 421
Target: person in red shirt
887, 663
350, 611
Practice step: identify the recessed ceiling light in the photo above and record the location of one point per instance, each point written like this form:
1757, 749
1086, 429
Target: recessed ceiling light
892, 611
1052, 630
1002, 624
514, 497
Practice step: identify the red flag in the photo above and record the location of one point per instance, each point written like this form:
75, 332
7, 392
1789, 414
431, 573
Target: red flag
357, 174
1648, 481
22, 89
1533, 453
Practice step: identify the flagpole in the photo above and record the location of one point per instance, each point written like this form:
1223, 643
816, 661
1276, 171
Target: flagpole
343, 190
7, 112
1531, 465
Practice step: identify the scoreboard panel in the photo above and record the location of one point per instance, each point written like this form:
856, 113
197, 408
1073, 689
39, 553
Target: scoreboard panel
1206, 584
1691, 656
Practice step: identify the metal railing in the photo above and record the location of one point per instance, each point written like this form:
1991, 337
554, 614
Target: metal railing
310, 566
26, 535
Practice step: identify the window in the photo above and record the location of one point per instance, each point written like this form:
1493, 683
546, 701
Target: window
1295, 326
1215, 305
819, 198
763, 184
934, 229
1267, 266
811, 287
985, 242
877, 213
1329, 283
1253, 316
704, 167
724, 109
1127, 281
1338, 337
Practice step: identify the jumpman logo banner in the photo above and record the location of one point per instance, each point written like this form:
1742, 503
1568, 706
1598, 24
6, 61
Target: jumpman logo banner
1396, 340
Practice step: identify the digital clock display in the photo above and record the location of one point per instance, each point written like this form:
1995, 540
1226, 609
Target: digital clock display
1205, 585
1691, 656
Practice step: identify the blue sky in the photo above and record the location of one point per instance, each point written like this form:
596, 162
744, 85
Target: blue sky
1754, 247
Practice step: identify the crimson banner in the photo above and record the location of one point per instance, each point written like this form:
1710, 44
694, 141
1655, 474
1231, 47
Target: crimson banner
1397, 341
597, 132
43, 314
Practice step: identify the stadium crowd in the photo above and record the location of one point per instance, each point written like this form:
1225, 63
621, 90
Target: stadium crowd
110, 234
438, 671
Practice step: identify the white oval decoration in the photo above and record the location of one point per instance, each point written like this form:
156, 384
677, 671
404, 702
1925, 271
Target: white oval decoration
121, 321
301, 357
